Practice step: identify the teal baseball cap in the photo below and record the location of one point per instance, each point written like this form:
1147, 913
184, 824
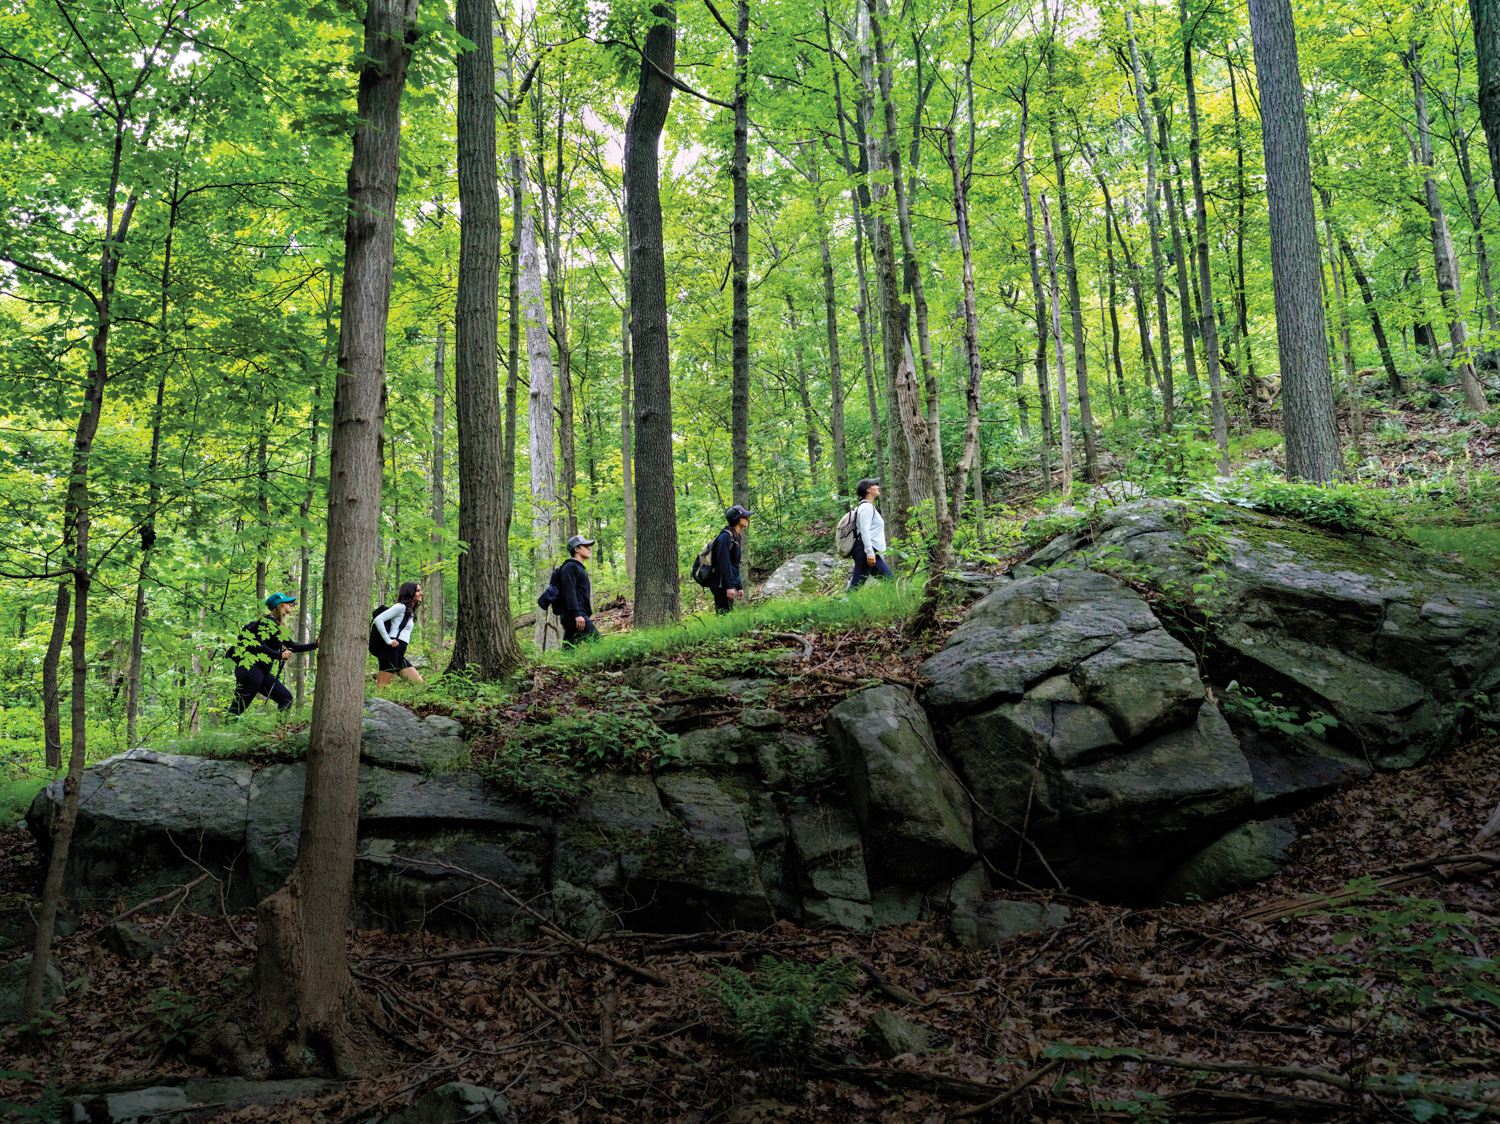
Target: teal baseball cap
280, 599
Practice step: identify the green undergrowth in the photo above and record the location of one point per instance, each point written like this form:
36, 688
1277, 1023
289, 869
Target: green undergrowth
1477, 544
876, 603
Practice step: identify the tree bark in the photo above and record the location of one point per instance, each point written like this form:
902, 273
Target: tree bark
1486, 14
809, 423
51, 692
547, 520
627, 440
1312, 447
1208, 322
1377, 328
1039, 301
1450, 289
863, 312
739, 254
1153, 223
835, 361
1075, 300
1065, 425
308, 1001
433, 587
484, 642
1241, 299
1179, 256
658, 598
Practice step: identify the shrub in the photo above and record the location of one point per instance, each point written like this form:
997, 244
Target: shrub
778, 1012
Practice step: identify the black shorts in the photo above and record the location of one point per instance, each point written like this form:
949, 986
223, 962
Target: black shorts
391, 659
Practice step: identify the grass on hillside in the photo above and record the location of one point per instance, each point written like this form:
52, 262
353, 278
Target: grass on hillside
875, 603
1478, 545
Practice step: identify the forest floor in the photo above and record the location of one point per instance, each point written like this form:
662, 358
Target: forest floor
1330, 1009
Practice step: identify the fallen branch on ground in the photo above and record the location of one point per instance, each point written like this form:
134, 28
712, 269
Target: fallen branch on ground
1014, 1091
1403, 877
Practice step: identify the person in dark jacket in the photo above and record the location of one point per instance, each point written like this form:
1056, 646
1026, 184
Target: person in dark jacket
259, 653
726, 585
575, 593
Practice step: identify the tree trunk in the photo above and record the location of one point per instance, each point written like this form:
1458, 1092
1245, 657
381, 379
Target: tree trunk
627, 442
809, 422
484, 642
1476, 218
306, 593
1312, 447
1075, 300
975, 365
1065, 424
835, 362
1179, 256
658, 598
307, 996
863, 311
51, 694
1153, 222
433, 587
547, 520
1450, 290
1208, 322
739, 255
551, 238
1486, 14
1038, 299
1377, 328
1241, 300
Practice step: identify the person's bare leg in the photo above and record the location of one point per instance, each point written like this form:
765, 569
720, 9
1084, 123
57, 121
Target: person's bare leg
412, 674
383, 679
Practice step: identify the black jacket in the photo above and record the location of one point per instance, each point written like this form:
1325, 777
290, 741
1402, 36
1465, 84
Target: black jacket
575, 592
727, 561
259, 645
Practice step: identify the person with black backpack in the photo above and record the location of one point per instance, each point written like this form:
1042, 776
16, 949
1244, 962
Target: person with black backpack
575, 593
390, 632
259, 653
724, 581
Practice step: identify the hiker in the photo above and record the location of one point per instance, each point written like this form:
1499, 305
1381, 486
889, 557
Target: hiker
391, 631
575, 593
726, 585
259, 654
869, 543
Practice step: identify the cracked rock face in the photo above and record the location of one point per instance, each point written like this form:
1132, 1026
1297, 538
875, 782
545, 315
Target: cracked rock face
1082, 729
1391, 640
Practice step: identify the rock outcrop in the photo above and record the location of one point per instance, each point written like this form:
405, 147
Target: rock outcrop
804, 574
1081, 728
1391, 640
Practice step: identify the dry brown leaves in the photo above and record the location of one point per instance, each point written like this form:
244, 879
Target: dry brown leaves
572, 1039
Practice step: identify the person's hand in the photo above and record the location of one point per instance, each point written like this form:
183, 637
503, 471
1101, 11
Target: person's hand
393, 643
869, 559
578, 623
286, 653
317, 642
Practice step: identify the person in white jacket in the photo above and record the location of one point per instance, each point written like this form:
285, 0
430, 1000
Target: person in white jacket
869, 529
391, 632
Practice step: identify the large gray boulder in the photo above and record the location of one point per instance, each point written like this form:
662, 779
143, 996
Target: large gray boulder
1389, 639
1240, 858
395, 738
915, 816
805, 574
1069, 709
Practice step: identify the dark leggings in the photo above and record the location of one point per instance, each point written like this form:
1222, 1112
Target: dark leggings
863, 570
252, 681
722, 601
572, 637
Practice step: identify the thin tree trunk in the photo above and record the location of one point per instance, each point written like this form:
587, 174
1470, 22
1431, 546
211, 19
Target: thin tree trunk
1241, 298
809, 423
1450, 289
1476, 218
1208, 322
1179, 256
1486, 15
550, 235
1038, 299
547, 521
1377, 328
1064, 420
1153, 222
835, 361
863, 311
1312, 447
627, 442
739, 254
433, 587
484, 642
306, 593
1075, 299
51, 694
658, 598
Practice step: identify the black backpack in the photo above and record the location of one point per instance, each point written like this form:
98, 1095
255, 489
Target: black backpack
547, 600
703, 564
378, 643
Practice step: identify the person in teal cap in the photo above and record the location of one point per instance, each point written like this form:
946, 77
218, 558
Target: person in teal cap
260, 652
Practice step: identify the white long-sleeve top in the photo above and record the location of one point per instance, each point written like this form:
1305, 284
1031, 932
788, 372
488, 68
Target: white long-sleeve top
389, 622
871, 528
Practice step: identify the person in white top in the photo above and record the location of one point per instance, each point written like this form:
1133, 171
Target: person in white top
390, 633
869, 529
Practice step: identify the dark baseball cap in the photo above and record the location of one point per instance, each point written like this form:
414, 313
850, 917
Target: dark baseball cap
578, 540
736, 513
